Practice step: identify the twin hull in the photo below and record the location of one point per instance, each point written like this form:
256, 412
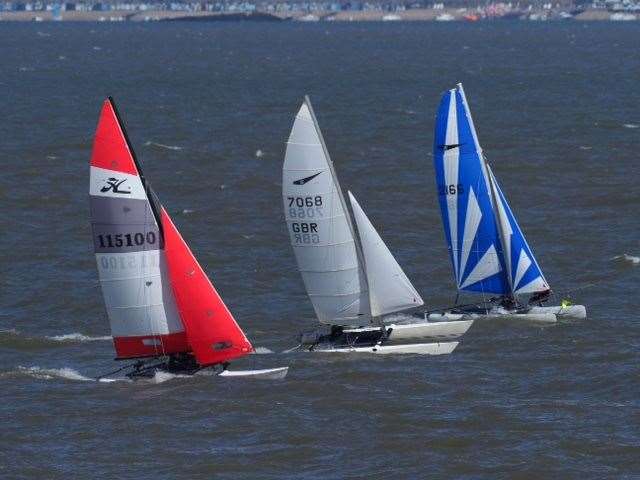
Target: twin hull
393, 338
532, 314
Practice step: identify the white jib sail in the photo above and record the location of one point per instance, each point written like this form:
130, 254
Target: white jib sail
389, 288
319, 228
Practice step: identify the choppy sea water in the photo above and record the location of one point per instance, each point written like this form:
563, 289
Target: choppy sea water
556, 107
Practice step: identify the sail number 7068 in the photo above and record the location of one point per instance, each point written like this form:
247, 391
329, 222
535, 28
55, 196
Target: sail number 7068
305, 207
305, 201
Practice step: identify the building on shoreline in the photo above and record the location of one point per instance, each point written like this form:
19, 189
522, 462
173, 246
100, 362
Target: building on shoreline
317, 10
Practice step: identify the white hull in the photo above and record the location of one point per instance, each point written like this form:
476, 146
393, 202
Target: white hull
264, 374
534, 314
410, 331
442, 348
522, 317
571, 312
446, 317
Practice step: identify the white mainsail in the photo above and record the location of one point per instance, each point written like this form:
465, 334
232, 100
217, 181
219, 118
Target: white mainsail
320, 228
389, 288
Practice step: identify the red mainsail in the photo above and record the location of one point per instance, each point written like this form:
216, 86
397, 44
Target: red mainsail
212, 332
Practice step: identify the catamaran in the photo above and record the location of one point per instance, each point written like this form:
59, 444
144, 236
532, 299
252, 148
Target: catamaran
489, 253
351, 277
164, 311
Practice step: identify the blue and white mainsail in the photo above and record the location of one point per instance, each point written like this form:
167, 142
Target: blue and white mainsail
465, 200
488, 251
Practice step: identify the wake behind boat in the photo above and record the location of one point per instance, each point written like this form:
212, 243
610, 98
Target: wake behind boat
164, 311
350, 275
489, 253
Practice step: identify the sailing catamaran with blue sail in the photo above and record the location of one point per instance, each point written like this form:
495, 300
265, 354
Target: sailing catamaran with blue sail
489, 253
351, 277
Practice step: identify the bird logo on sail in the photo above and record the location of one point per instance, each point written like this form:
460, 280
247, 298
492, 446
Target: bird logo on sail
449, 147
304, 180
113, 184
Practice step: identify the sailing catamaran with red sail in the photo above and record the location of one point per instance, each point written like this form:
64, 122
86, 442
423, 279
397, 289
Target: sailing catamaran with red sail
163, 309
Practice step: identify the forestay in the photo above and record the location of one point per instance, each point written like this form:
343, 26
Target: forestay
389, 288
320, 229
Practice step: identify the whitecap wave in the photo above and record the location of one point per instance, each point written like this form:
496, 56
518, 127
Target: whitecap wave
65, 373
112, 380
78, 337
628, 258
52, 373
262, 351
162, 145
631, 125
9, 331
161, 377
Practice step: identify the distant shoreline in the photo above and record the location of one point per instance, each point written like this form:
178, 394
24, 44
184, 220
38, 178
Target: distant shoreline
411, 15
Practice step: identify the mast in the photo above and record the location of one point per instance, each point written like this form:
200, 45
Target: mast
356, 237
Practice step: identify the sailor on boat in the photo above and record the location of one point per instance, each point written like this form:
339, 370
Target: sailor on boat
540, 298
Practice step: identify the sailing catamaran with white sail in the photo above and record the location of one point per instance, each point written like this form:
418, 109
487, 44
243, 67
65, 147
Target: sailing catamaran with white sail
489, 253
164, 311
350, 275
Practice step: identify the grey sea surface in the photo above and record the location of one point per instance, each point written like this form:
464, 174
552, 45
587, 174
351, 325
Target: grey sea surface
557, 108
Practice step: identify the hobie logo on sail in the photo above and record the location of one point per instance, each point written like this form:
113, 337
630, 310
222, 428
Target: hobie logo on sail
302, 181
113, 184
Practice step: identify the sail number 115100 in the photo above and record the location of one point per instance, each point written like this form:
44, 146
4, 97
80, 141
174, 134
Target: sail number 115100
119, 240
